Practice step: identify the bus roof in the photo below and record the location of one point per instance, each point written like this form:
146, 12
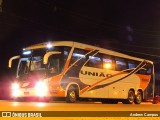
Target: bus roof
84, 46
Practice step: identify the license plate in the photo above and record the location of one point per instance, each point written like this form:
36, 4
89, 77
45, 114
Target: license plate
26, 93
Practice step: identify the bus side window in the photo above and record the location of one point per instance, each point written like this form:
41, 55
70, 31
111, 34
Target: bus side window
78, 59
77, 55
108, 62
131, 64
120, 64
148, 68
66, 53
95, 61
144, 70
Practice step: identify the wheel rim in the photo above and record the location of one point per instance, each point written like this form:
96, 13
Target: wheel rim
72, 96
131, 97
139, 98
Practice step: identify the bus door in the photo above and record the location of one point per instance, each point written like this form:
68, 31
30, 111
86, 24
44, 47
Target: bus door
54, 67
54, 63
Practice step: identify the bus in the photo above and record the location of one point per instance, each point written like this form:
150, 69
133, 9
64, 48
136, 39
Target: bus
76, 71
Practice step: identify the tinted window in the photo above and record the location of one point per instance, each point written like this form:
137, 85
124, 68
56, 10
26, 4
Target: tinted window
149, 68
131, 64
120, 64
95, 61
66, 53
77, 55
108, 62
54, 66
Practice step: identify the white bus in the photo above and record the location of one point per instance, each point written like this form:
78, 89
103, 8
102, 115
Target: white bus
72, 70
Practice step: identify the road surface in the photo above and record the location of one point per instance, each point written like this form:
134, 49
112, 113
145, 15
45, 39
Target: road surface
80, 106
78, 111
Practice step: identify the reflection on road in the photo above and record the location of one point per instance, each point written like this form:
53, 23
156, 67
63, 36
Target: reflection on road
81, 106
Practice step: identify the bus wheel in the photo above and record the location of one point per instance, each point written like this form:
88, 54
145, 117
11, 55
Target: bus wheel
130, 99
154, 102
138, 98
72, 95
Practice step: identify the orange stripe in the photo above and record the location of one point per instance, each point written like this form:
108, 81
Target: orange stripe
55, 83
66, 65
55, 87
91, 86
144, 80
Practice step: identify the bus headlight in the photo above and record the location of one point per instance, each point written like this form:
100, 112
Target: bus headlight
15, 93
15, 86
41, 88
15, 89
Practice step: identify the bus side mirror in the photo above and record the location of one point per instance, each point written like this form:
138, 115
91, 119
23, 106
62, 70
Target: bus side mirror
11, 59
47, 55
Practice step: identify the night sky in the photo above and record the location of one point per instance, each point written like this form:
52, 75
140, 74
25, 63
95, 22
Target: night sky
127, 26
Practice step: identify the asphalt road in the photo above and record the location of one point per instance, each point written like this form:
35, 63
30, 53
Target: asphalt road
80, 106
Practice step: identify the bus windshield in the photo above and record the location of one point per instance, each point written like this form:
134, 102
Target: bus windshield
34, 64
32, 61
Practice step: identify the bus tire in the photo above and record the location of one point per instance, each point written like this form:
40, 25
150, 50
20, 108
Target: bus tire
130, 99
72, 95
138, 98
154, 102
